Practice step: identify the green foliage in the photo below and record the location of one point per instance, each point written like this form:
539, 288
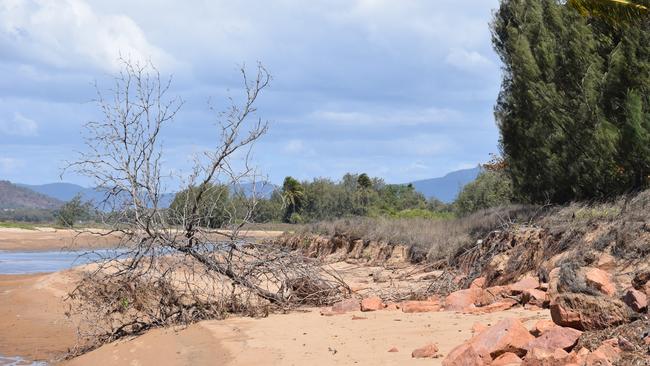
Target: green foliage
490, 189
613, 11
574, 106
17, 225
73, 211
212, 210
293, 195
364, 181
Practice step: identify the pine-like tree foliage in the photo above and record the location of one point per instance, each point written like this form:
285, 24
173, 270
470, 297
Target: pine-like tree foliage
613, 11
574, 103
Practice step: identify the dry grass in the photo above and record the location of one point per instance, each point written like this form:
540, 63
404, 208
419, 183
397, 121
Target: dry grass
437, 239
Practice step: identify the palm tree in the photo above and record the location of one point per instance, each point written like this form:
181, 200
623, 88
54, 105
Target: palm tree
613, 11
292, 196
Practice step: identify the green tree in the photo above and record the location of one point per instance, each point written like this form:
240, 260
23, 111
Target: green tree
293, 195
213, 210
565, 111
490, 189
613, 11
364, 181
73, 211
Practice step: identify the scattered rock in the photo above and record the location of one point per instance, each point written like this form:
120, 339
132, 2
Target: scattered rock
526, 283
328, 312
585, 312
354, 317
465, 355
535, 297
501, 305
463, 299
478, 283
420, 306
346, 305
556, 337
393, 350
507, 359
428, 351
546, 357
508, 335
372, 304
606, 262
636, 300
600, 280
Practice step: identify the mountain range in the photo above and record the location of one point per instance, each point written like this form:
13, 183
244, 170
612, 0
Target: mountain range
52, 195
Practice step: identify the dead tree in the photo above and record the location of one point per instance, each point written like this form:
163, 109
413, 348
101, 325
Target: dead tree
169, 268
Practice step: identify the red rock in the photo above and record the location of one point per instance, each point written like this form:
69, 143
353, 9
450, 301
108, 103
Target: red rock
606, 262
556, 337
508, 335
603, 355
463, 299
636, 299
641, 279
600, 280
346, 305
542, 326
501, 305
553, 280
478, 282
393, 350
585, 312
478, 328
428, 351
646, 340
526, 283
372, 304
354, 317
465, 355
546, 357
535, 297
578, 358
507, 359
420, 306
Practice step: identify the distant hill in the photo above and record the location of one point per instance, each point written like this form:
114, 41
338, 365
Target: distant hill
446, 188
66, 191
13, 196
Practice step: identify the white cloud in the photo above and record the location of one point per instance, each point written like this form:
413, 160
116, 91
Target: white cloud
19, 126
294, 146
390, 117
468, 60
8, 165
70, 34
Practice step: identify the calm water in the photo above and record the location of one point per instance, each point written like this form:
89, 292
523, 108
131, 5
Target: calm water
35, 262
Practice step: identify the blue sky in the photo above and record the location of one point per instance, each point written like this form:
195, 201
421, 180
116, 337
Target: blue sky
403, 90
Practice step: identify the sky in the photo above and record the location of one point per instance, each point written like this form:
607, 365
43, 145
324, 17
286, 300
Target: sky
403, 90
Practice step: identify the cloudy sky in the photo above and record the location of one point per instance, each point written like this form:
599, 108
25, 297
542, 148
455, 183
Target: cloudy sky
398, 89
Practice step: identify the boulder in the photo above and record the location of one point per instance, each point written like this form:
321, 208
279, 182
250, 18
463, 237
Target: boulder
606, 354
478, 282
507, 359
600, 280
346, 305
420, 306
393, 350
463, 299
478, 328
636, 300
585, 312
526, 283
466, 355
535, 297
541, 326
372, 304
606, 262
556, 337
428, 351
553, 281
492, 294
546, 357
508, 335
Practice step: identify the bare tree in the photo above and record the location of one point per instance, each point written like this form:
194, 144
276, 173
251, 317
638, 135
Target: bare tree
169, 268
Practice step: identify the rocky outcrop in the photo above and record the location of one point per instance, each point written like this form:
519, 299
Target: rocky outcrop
586, 312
